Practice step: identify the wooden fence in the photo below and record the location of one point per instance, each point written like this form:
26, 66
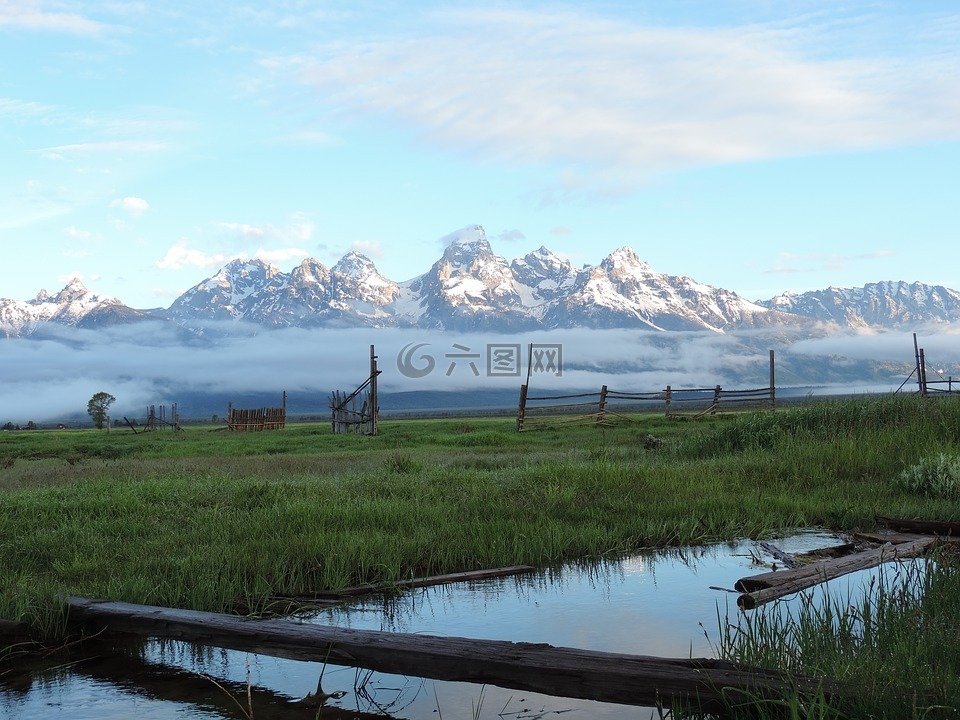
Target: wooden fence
257, 419
357, 412
608, 407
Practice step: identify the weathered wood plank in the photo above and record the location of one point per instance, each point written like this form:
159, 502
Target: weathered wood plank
760, 589
784, 557
565, 672
927, 527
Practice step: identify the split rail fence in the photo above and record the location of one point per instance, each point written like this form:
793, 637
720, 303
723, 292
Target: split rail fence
606, 407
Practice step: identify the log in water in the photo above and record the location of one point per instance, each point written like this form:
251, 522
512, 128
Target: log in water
564, 672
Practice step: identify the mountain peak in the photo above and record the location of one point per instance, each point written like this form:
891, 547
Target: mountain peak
72, 291
467, 243
355, 265
625, 261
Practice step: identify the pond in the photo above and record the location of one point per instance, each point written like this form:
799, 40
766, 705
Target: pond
664, 603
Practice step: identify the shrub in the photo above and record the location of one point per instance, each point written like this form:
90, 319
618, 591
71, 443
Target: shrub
934, 476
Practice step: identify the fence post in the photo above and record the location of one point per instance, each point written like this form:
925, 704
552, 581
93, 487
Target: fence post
668, 393
716, 400
773, 387
374, 400
521, 409
602, 406
923, 374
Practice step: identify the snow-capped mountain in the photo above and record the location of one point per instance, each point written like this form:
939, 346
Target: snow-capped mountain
624, 291
883, 304
75, 305
468, 288
230, 294
471, 288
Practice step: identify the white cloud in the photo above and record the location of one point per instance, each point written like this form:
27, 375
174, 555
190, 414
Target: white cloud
180, 256
247, 231
132, 205
370, 248
626, 100
68, 277
280, 256
78, 234
33, 15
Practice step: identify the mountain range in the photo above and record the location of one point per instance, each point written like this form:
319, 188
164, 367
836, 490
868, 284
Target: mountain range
470, 288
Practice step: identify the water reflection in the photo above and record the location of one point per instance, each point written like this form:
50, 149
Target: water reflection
662, 603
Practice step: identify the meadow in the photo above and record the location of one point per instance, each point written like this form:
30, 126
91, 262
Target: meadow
205, 518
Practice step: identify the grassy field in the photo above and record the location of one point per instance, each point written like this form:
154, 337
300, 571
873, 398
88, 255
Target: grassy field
203, 518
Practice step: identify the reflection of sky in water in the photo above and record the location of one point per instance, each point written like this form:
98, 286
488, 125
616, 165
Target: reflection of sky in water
649, 604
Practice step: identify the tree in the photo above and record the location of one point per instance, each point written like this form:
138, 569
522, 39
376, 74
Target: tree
8, 426
98, 406
31, 425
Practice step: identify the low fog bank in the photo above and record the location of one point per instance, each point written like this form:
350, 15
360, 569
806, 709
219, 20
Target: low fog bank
51, 375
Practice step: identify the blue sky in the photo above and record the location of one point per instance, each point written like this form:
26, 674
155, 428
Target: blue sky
754, 145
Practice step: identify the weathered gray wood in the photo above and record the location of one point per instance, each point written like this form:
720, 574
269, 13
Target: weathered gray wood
760, 589
927, 527
565, 672
780, 555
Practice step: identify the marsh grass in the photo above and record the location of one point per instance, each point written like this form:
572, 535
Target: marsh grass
203, 518
890, 646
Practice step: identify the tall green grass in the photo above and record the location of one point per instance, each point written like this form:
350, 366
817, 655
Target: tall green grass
203, 518
888, 651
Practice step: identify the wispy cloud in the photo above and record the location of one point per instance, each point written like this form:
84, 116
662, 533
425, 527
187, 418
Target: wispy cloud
791, 263
511, 235
627, 100
132, 205
36, 15
280, 256
22, 108
370, 248
78, 234
107, 146
180, 256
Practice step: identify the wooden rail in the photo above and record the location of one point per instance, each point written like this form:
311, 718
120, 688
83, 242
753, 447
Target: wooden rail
566, 672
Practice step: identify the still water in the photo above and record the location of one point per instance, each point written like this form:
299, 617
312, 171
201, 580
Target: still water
660, 603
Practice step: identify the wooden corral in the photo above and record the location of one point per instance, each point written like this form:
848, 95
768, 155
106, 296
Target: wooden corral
358, 412
257, 419
158, 420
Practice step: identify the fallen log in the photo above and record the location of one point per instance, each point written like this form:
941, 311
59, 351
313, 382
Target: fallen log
566, 672
926, 527
760, 589
786, 558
